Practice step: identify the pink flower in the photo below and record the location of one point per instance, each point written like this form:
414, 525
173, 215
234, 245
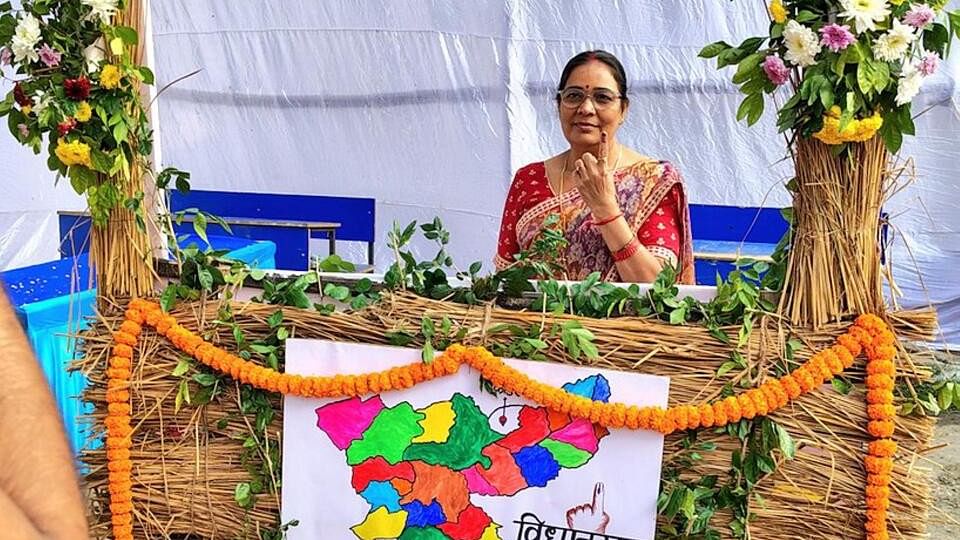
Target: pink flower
836, 37
929, 64
6, 55
24, 131
919, 16
776, 70
49, 56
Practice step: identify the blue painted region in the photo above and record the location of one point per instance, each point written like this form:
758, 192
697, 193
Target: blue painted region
736, 223
419, 515
381, 494
355, 215
537, 465
595, 387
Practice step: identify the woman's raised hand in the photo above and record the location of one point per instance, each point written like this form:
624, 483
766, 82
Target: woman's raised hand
596, 183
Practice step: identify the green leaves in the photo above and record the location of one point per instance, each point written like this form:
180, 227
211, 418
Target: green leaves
714, 49
873, 76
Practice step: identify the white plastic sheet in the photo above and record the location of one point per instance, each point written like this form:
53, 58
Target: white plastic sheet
430, 106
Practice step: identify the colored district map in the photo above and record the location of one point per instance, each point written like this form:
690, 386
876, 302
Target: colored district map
417, 468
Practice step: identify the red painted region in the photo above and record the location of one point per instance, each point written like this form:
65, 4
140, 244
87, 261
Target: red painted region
504, 474
469, 525
534, 427
377, 469
557, 420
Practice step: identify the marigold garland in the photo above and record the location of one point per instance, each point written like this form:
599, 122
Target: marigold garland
869, 334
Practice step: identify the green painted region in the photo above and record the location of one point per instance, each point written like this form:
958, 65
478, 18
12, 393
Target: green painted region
566, 454
388, 436
423, 533
469, 435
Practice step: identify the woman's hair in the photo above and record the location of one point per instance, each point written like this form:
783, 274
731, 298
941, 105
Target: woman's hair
611, 61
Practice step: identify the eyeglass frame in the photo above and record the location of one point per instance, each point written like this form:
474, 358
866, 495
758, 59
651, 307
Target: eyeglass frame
586, 96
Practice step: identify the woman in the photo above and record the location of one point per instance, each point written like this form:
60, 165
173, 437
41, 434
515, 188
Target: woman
623, 214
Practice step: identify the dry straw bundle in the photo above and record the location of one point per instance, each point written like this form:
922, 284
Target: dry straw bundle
187, 464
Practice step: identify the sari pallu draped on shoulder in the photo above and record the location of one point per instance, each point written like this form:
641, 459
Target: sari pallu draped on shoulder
651, 197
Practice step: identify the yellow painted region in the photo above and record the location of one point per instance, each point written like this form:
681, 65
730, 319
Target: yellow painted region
490, 533
436, 424
381, 524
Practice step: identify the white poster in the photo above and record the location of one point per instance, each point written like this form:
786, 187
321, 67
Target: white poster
446, 460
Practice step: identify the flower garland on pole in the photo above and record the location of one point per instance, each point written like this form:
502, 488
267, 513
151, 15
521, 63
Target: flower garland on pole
869, 334
76, 97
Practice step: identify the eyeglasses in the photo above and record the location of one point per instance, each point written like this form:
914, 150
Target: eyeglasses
603, 99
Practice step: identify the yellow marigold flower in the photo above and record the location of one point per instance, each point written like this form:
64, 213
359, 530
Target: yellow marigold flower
110, 76
855, 130
896, 2
84, 112
73, 153
26, 110
777, 11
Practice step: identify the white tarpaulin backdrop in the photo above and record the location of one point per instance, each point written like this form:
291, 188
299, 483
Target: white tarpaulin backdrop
429, 107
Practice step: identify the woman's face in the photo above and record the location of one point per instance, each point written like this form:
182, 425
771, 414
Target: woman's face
583, 124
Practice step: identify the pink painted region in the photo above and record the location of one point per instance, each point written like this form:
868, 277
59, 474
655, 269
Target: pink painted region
345, 421
579, 433
477, 484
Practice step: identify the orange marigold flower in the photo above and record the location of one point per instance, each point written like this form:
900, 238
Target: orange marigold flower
881, 429
732, 408
125, 338
667, 425
693, 416
882, 535
720, 418
850, 344
875, 397
645, 417
881, 367
878, 492
885, 352
880, 382
118, 373
121, 519
877, 516
706, 415
747, 408
881, 411
679, 417
804, 380
618, 415
861, 335
878, 480
878, 503
119, 465
760, 402
118, 454
833, 362
878, 465
131, 327
791, 387
632, 417
123, 350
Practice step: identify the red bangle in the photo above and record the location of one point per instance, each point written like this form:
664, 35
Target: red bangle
610, 219
627, 251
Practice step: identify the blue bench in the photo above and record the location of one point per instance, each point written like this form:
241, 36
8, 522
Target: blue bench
722, 234
356, 217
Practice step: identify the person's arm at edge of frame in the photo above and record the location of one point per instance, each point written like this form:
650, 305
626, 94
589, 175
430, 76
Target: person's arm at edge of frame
39, 491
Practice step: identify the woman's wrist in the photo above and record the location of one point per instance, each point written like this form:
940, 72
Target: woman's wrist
606, 213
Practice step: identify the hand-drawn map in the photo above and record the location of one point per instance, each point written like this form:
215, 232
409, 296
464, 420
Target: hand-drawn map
447, 461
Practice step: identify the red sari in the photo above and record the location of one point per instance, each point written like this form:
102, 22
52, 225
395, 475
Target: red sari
651, 198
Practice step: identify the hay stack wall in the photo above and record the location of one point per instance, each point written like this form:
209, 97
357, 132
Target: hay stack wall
188, 463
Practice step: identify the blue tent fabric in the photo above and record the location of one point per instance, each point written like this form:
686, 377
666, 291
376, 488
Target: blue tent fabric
55, 300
